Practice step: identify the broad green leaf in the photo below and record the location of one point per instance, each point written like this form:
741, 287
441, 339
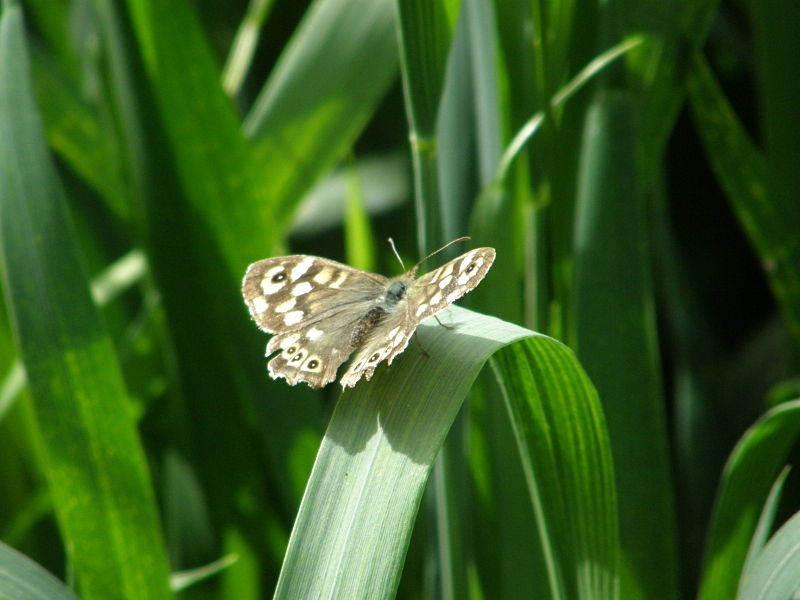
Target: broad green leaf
775, 574
746, 482
93, 459
352, 532
321, 93
616, 342
560, 431
23, 579
203, 232
769, 216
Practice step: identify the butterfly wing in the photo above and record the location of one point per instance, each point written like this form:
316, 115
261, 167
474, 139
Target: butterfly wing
312, 305
428, 295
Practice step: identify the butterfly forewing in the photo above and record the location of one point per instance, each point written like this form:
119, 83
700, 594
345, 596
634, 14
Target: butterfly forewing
321, 310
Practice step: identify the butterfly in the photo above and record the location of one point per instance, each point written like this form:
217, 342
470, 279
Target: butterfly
320, 311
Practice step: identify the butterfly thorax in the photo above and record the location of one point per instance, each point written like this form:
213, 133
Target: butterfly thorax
394, 294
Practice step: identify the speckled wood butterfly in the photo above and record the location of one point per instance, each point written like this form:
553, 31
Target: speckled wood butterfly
321, 310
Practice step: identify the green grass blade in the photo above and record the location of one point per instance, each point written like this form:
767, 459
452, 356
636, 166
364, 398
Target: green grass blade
426, 31
95, 465
560, 430
23, 579
326, 85
75, 133
769, 216
244, 45
219, 175
746, 482
616, 343
352, 532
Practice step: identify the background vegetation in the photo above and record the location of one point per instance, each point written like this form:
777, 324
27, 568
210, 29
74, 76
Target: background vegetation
633, 163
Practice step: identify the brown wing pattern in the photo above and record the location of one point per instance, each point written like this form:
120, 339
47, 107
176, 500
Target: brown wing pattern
312, 305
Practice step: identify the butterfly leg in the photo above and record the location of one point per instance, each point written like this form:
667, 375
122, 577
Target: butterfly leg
416, 337
442, 324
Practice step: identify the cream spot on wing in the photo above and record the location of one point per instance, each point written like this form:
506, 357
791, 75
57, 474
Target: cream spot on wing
289, 341
398, 339
259, 305
445, 282
465, 261
270, 287
302, 268
301, 288
293, 317
286, 306
447, 269
339, 280
437, 297
421, 309
453, 296
324, 276
314, 333
393, 332
469, 274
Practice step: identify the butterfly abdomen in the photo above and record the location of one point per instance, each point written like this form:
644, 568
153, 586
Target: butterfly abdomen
367, 323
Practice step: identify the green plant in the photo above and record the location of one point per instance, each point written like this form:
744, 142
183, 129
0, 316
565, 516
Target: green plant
144, 448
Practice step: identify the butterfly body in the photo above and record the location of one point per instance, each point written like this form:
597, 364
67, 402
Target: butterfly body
320, 311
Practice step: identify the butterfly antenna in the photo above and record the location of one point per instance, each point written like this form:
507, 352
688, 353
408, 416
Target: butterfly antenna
391, 242
461, 239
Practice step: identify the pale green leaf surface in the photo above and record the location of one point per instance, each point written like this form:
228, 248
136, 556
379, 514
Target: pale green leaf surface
23, 579
766, 522
775, 575
746, 482
95, 465
352, 532
351, 535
